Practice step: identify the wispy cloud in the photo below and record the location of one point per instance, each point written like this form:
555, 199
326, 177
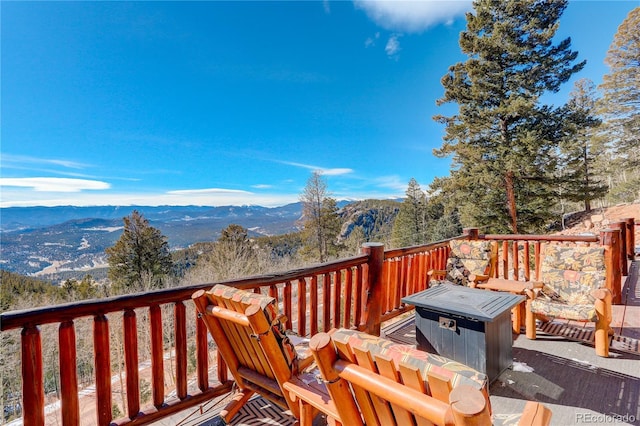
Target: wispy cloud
393, 46
321, 170
371, 41
412, 16
207, 191
20, 161
392, 182
262, 186
52, 184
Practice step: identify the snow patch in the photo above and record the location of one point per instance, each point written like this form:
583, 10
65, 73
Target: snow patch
522, 367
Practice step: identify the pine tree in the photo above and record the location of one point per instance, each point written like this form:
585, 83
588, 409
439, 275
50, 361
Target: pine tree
410, 225
620, 107
320, 220
501, 139
140, 259
580, 150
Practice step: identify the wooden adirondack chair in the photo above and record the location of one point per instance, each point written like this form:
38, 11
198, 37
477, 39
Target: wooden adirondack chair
250, 337
372, 391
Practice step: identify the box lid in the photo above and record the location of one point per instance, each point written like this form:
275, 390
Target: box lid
472, 303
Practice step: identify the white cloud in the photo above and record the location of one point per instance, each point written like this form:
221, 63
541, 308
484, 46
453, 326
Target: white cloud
371, 41
321, 170
392, 182
412, 16
19, 161
51, 184
393, 46
208, 191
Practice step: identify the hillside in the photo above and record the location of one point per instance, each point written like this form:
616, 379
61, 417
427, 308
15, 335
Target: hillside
599, 219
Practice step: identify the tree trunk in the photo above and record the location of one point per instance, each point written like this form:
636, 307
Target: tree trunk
511, 201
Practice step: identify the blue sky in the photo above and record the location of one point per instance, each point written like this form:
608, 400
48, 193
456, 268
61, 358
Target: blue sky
218, 103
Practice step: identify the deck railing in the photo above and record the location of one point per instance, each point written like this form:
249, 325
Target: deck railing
359, 292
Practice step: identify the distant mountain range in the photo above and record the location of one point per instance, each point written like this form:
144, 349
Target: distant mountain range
43, 240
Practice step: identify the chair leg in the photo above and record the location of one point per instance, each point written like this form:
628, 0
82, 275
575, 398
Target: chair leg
235, 405
516, 318
530, 322
603, 323
602, 337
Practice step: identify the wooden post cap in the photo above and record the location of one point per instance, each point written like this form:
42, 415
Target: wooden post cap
467, 401
197, 294
319, 341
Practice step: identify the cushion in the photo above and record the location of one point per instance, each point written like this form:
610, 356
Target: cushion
408, 354
569, 275
292, 353
467, 258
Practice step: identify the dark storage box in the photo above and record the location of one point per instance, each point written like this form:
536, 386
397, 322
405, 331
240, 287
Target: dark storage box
467, 325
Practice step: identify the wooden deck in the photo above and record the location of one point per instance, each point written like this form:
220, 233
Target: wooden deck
559, 368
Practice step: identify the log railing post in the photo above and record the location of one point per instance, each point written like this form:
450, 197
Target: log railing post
622, 226
32, 380
471, 233
373, 287
610, 239
631, 238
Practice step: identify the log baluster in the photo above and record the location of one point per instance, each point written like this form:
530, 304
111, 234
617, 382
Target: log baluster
313, 301
526, 264
326, 302
348, 297
102, 364
287, 301
157, 356
32, 380
337, 297
302, 306
538, 258
180, 328
68, 374
202, 353
273, 292
131, 362
357, 297
516, 260
505, 259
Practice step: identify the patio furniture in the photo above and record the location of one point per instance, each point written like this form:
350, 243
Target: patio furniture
518, 313
251, 338
573, 288
438, 374
370, 388
468, 325
469, 262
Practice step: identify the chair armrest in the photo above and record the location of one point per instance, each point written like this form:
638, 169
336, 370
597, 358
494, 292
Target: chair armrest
478, 278
535, 414
601, 293
438, 272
